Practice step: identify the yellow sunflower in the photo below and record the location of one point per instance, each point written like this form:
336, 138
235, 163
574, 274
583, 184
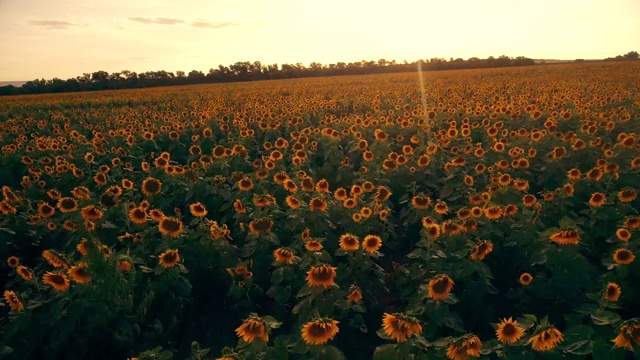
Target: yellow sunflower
509, 331
322, 275
169, 258
319, 331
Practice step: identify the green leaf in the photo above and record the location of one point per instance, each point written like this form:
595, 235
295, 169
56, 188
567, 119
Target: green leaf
5, 350
385, 352
277, 276
331, 352
604, 317
454, 322
583, 347
8, 231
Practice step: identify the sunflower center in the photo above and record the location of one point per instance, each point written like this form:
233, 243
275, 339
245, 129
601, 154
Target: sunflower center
350, 241
171, 225
57, 279
509, 330
169, 257
440, 286
68, 204
152, 186
316, 330
623, 255
322, 274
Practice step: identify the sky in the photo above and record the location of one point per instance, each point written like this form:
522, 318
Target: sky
66, 38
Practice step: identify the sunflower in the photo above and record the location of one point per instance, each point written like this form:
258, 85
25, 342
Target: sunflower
80, 273
574, 174
623, 257
313, 245
510, 210
349, 242
450, 228
156, 214
322, 186
67, 204
439, 287
91, 212
100, 178
525, 279
13, 262
623, 234
371, 243
568, 189
421, 202
6, 208
481, 249
493, 212
432, 230
627, 332
355, 295
283, 256
151, 186
24, 272
198, 210
424, 160
383, 194
441, 207
529, 200
319, 331
566, 237
262, 225
170, 226
54, 259
45, 210
169, 258
597, 199
546, 338
137, 215
340, 194
317, 204
463, 347
322, 275
293, 202
9, 196
632, 223
217, 231
13, 300
612, 292
627, 195
400, 327
594, 174
81, 193
253, 328
508, 331
350, 203
58, 281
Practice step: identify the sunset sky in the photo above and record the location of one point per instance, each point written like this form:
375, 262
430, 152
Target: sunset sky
65, 38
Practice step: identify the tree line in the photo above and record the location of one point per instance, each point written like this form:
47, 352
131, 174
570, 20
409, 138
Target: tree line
249, 71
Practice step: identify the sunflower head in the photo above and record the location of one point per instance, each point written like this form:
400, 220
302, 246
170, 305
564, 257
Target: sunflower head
508, 331
169, 258
253, 328
400, 326
319, 331
322, 275
440, 287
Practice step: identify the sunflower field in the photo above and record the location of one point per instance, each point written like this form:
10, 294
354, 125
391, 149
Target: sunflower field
494, 215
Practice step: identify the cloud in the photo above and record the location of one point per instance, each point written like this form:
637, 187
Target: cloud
53, 24
156, 20
210, 25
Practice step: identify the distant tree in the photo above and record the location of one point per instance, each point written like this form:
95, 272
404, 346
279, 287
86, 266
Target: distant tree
631, 55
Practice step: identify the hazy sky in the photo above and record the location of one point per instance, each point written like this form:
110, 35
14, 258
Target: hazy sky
65, 38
